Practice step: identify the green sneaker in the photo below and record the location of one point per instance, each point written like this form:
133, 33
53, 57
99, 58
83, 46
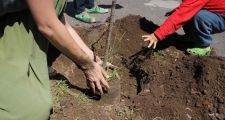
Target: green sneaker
96, 10
84, 17
205, 51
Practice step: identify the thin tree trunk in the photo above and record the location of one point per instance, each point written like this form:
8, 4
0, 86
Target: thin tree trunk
108, 42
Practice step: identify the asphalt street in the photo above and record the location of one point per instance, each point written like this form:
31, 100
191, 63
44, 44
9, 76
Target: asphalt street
153, 10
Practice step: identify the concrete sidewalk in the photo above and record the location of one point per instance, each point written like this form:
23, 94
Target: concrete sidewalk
153, 10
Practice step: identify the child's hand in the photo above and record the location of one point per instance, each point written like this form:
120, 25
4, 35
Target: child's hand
152, 39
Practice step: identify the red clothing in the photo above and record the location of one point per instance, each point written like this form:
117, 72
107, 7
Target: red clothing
187, 10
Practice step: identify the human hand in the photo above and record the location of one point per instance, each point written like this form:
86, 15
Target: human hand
96, 78
152, 39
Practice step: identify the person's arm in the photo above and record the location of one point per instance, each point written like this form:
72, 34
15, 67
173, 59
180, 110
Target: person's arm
182, 14
50, 26
82, 45
77, 38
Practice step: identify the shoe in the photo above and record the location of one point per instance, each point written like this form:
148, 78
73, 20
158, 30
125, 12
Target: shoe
85, 17
199, 51
96, 10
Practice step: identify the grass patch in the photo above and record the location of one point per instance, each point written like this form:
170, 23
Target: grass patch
108, 109
58, 91
126, 112
82, 99
122, 112
113, 74
61, 89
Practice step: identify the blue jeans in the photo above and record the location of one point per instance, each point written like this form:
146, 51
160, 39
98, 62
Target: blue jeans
203, 25
80, 5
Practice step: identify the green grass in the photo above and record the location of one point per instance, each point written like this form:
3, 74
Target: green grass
58, 91
126, 112
108, 109
61, 89
113, 74
82, 99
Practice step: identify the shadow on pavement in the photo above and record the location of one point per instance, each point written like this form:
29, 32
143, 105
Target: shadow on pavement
109, 6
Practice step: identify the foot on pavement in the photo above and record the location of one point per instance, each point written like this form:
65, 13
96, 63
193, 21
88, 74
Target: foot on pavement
96, 9
85, 17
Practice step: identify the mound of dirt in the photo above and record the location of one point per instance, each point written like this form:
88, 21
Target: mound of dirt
161, 84
176, 86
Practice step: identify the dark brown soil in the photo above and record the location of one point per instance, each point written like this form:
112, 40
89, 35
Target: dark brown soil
161, 84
